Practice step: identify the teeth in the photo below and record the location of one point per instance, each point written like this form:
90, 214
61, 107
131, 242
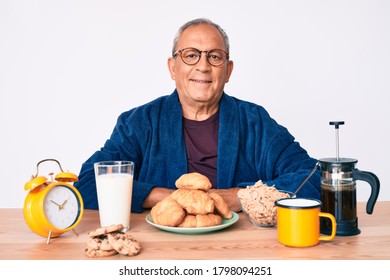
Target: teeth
201, 81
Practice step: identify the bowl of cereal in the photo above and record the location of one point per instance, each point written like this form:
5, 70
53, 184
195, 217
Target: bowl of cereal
258, 203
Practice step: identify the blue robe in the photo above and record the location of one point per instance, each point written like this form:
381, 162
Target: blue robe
251, 146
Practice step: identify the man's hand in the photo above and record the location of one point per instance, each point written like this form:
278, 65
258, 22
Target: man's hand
230, 197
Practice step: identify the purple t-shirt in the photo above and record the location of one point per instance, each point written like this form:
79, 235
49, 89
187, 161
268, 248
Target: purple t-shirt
201, 138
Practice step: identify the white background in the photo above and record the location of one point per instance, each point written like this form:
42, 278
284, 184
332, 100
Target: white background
69, 68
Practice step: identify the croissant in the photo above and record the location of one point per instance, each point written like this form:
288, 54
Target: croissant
221, 206
193, 201
208, 220
194, 180
167, 212
189, 221
201, 220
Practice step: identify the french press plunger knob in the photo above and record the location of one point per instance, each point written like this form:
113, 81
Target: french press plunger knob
338, 190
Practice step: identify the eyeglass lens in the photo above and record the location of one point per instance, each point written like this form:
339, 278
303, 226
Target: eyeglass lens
192, 56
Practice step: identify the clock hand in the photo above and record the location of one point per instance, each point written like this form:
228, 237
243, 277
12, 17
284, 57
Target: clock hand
62, 205
59, 206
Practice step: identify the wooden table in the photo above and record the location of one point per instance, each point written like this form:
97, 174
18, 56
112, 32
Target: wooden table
238, 242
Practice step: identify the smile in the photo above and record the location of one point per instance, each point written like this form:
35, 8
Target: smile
201, 81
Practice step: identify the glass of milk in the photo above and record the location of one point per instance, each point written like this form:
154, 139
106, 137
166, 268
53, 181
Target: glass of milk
114, 184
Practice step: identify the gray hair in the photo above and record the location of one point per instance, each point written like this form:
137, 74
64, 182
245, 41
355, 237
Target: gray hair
197, 22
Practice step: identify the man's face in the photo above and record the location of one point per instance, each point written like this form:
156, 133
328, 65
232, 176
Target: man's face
200, 84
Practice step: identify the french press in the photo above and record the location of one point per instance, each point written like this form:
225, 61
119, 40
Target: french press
338, 191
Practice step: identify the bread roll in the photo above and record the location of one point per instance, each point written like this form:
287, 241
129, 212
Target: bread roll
167, 212
194, 181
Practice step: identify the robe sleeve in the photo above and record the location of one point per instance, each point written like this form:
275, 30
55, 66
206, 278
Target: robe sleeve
115, 148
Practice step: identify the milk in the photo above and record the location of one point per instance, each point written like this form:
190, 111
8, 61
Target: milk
114, 192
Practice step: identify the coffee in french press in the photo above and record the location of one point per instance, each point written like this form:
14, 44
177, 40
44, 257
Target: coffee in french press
338, 191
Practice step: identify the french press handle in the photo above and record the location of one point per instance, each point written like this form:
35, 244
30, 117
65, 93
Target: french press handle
373, 180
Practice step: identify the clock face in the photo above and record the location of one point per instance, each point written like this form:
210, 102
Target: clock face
61, 206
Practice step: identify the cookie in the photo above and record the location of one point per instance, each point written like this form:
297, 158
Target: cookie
105, 230
124, 243
93, 253
99, 243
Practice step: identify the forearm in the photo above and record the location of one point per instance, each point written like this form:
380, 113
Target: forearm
156, 195
230, 197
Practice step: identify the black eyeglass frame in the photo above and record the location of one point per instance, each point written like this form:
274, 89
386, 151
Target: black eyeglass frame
200, 55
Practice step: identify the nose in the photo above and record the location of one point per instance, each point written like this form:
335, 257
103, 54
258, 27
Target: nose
203, 63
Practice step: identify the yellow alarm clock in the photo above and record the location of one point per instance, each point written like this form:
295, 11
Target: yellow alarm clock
54, 207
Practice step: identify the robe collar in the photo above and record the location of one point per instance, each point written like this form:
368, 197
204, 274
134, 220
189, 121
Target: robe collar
228, 139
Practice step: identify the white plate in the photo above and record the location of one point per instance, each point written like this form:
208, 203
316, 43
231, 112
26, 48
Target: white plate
225, 223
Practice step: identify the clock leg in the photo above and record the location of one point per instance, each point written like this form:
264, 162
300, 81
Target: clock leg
48, 237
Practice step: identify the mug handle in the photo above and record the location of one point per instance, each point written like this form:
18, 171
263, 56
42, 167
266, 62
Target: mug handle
333, 220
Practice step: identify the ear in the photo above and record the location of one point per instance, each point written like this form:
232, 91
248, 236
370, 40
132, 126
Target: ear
171, 67
229, 70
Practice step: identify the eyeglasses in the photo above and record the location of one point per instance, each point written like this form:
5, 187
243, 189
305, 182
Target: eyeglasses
191, 56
